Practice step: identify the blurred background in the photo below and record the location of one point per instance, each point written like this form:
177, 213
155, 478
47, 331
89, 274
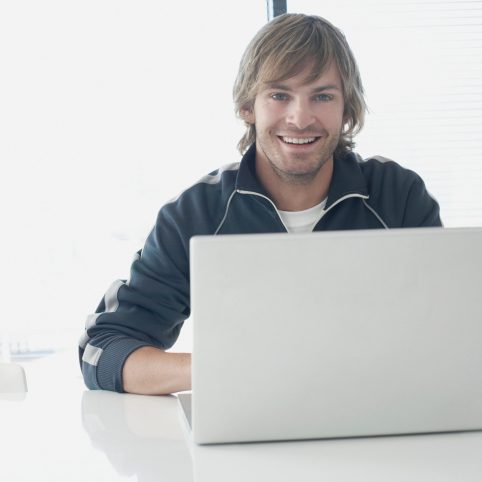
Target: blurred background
109, 108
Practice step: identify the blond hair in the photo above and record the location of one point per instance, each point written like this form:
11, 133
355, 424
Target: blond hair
281, 50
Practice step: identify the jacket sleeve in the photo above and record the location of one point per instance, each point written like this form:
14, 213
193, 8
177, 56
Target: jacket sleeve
149, 309
421, 209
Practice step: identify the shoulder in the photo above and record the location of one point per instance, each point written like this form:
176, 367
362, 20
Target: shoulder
212, 184
387, 178
382, 168
198, 209
398, 193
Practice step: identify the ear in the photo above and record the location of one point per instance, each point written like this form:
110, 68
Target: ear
247, 114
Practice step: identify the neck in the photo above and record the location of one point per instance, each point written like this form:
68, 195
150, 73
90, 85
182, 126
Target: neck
289, 195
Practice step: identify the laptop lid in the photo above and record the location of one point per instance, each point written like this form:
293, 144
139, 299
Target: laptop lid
336, 334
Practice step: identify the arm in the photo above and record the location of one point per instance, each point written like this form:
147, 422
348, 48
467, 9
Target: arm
150, 371
125, 341
123, 347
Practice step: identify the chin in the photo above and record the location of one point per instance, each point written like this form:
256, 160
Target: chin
297, 176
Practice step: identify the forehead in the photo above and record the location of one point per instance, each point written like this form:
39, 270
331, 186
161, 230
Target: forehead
309, 77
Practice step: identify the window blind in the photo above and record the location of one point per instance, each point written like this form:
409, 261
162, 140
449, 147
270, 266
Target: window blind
421, 65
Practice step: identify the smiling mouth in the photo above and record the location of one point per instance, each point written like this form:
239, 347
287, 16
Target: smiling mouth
298, 141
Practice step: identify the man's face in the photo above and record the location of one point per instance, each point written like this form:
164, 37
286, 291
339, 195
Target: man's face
298, 125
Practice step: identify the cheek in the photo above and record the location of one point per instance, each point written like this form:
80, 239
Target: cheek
333, 118
267, 115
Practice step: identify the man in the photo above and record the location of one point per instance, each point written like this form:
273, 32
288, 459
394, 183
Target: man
300, 95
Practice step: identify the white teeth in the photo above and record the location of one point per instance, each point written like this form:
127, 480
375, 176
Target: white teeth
298, 140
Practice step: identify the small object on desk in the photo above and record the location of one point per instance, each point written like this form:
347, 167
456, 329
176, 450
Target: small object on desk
12, 378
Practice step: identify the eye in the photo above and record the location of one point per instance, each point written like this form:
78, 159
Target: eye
279, 96
323, 97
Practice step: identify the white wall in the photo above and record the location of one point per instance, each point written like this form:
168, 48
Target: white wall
108, 108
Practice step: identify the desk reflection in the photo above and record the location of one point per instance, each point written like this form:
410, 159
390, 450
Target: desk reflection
146, 437
440, 457
139, 435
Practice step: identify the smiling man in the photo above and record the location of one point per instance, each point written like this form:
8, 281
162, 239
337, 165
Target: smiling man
298, 127
299, 92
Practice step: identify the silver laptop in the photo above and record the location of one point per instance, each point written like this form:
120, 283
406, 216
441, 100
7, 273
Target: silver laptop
336, 334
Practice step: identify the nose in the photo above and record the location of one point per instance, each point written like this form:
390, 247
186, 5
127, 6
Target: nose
300, 114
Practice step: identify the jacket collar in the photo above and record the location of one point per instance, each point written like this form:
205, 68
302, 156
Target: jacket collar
246, 179
347, 179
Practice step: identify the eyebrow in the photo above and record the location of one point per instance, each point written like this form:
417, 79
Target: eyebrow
321, 88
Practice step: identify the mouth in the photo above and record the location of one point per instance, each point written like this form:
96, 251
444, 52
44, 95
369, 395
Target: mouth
298, 141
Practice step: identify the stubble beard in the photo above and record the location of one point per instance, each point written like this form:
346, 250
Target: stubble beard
306, 177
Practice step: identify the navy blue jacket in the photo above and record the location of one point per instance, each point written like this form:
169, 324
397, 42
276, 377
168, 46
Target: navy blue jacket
150, 308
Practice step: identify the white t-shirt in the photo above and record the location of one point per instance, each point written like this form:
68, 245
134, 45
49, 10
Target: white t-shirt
303, 221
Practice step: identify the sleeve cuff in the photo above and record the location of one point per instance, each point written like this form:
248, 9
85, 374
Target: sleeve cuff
111, 363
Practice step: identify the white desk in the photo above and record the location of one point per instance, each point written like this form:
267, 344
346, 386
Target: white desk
61, 432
